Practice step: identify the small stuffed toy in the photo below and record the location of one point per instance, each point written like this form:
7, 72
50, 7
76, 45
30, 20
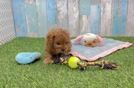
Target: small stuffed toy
88, 39
27, 57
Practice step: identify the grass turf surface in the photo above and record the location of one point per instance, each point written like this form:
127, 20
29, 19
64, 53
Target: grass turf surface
39, 75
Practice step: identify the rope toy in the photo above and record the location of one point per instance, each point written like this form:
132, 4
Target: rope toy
75, 62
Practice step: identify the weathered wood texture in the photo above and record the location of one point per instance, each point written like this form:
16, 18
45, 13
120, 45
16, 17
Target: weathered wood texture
34, 18
106, 17
130, 18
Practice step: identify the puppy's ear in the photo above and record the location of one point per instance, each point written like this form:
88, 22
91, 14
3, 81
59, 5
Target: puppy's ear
50, 42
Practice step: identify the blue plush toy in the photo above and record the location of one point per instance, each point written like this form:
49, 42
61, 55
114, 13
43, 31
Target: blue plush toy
27, 57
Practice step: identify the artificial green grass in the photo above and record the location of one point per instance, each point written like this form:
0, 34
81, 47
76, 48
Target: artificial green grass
39, 75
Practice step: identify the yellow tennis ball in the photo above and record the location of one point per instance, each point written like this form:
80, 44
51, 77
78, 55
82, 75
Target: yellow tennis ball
73, 62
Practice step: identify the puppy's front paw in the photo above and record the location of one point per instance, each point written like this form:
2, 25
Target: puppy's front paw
48, 61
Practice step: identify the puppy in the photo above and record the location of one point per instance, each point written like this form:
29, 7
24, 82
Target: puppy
57, 42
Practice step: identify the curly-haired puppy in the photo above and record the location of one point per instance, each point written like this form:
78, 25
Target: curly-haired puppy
58, 42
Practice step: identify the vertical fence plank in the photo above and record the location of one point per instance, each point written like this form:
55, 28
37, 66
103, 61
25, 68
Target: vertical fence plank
84, 24
73, 17
42, 18
31, 18
19, 17
51, 14
119, 17
62, 13
95, 19
84, 7
130, 18
106, 17
124, 6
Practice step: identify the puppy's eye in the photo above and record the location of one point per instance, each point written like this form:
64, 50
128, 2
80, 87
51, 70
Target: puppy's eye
58, 43
85, 41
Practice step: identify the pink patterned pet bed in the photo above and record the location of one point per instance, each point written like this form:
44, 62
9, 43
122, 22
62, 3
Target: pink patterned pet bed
94, 53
